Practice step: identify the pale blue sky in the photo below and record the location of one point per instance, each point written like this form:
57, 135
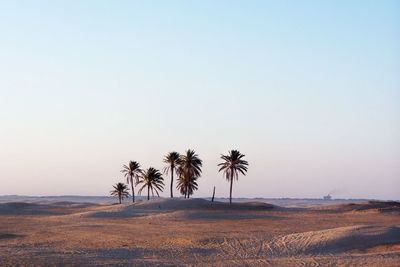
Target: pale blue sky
308, 90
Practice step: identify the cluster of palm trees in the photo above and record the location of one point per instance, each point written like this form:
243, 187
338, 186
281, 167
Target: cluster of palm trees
187, 168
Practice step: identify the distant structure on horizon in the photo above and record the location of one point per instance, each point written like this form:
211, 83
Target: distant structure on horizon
328, 197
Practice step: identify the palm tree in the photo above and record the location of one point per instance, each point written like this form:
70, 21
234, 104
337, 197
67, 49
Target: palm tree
189, 171
187, 185
232, 165
153, 180
131, 171
120, 190
172, 159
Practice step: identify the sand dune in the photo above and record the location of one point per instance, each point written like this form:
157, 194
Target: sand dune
21, 208
196, 232
197, 203
55, 208
369, 206
334, 240
203, 209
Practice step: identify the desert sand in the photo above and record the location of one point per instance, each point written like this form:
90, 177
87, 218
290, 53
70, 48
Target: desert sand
197, 232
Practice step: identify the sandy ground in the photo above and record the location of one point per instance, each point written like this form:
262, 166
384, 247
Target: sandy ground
197, 232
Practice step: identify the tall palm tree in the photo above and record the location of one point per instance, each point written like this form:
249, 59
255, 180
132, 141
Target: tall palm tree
189, 170
120, 190
153, 180
172, 160
131, 171
233, 165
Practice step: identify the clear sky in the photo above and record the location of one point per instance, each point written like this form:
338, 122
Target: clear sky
308, 90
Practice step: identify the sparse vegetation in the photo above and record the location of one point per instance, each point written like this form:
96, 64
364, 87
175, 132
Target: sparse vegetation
233, 165
130, 171
120, 190
153, 180
189, 171
172, 160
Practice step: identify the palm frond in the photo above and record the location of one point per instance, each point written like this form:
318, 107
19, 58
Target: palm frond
151, 178
189, 170
233, 164
120, 189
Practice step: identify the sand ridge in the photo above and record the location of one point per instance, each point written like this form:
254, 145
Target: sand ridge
334, 240
199, 208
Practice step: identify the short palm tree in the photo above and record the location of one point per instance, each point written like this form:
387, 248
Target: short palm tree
189, 171
187, 186
172, 160
153, 180
120, 190
131, 171
233, 165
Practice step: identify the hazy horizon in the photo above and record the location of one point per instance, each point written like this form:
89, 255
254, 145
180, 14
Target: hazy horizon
309, 91
143, 197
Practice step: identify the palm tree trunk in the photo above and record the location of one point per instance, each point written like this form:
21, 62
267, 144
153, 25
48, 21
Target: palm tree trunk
148, 192
119, 197
230, 193
212, 199
133, 191
172, 181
